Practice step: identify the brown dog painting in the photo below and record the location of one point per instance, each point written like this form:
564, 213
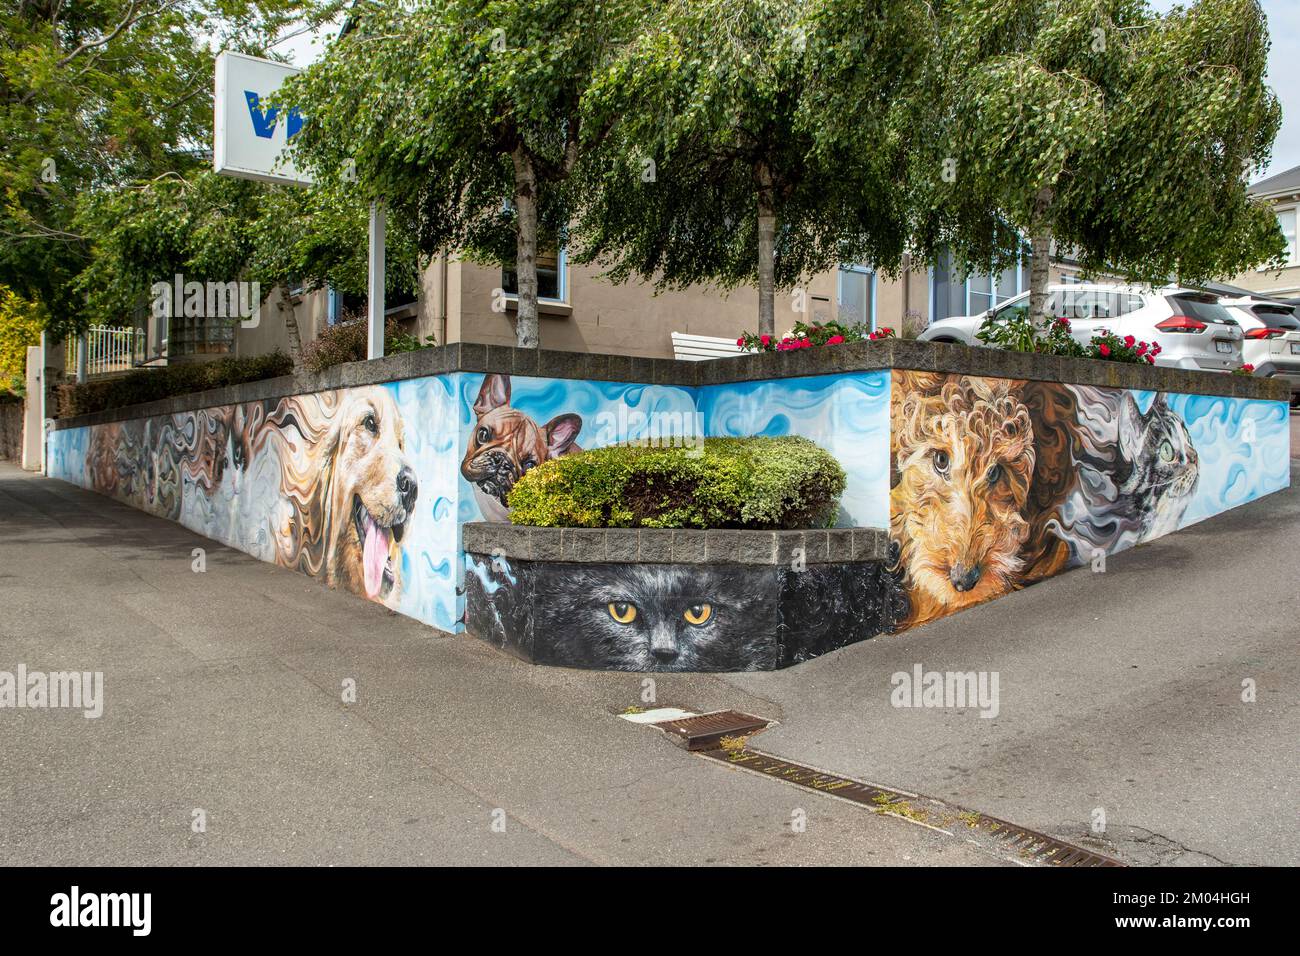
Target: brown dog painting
505, 443
351, 488
963, 462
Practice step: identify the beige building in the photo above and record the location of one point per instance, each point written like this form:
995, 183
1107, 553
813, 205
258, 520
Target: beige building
1283, 193
463, 301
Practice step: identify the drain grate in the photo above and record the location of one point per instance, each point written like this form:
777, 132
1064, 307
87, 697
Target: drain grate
706, 731
705, 735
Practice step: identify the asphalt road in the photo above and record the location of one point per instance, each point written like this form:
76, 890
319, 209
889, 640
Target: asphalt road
223, 693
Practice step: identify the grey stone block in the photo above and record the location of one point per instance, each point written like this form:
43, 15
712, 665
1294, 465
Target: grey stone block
688, 546
755, 547
656, 545
583, 544
622, 544
791, 546
720, 547
870, 544
839, 544
544, 543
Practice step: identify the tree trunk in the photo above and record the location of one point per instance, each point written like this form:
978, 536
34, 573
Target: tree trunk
291, 324
1040, 266
766, 254
526, 331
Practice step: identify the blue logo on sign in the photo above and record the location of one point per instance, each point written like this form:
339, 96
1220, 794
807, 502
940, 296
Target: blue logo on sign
264, 120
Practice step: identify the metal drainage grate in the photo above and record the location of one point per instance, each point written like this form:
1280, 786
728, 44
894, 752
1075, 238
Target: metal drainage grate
707, 731
705, 735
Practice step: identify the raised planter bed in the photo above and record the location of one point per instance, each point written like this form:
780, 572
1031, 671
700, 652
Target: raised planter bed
676, 600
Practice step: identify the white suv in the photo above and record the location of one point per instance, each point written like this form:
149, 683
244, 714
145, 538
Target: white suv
1272, 342
1192, 329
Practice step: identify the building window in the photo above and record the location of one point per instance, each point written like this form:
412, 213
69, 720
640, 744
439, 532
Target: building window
1286, 219
952, 293
983, 292
857, 295
550, 275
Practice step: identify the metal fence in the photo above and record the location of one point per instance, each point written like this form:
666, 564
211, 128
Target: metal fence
108, 349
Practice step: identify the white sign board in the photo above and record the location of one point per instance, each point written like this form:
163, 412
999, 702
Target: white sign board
250, 136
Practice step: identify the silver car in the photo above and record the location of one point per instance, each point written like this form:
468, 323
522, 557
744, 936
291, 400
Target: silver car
1192, 329
1272, 341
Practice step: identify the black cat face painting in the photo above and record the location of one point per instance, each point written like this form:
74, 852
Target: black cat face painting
656, 617
675, 617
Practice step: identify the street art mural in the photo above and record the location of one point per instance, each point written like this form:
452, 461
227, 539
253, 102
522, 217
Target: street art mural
676, 617
997, 483
985, 486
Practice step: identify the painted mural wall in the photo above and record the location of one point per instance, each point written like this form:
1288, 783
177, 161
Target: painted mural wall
996, 484
986, 485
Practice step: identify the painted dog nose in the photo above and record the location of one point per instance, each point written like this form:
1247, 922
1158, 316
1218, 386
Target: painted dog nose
407, 487
962, 578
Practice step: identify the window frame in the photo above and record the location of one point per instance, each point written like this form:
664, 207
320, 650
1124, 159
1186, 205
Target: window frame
856, 268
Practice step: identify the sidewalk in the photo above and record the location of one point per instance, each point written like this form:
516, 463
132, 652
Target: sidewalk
223, 692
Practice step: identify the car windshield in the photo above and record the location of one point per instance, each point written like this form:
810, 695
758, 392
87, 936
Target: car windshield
1201, 308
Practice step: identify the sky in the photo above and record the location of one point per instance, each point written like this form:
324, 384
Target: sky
1283, 71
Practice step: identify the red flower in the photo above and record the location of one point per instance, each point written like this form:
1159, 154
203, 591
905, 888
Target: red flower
740, 341
872, 336
1248, 367
765, 339
1104, 349
1129, 340
835, 340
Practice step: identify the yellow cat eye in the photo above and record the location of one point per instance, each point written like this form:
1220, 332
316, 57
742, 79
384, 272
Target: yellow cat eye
623, 613
698, 614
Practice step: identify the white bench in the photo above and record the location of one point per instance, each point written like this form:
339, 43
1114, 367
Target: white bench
698, 348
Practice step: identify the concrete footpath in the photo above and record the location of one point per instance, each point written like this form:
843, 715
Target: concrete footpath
1118, 692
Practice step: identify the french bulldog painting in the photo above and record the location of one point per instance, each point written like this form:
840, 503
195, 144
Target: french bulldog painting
505, 443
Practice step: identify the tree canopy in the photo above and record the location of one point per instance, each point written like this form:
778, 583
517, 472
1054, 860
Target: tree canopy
1122, 136
100, 95
465, 117
757, 141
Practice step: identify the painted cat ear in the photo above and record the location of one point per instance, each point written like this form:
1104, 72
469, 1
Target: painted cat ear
1130, 428
494, 393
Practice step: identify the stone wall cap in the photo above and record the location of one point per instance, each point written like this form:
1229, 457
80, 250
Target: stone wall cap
492, 539
595, 366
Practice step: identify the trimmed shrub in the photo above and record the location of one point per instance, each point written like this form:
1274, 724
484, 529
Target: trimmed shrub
760, 483
152, 384
346, 341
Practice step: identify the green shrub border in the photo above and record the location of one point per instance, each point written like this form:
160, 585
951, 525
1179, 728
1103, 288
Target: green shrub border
153, 384
762, 483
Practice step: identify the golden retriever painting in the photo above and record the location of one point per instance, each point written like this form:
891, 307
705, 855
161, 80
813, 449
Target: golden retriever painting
349, 488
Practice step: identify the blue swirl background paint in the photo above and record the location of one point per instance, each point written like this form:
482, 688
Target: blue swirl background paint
847, 414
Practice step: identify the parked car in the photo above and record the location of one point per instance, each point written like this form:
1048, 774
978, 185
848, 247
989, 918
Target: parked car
1272, 342
1193, 330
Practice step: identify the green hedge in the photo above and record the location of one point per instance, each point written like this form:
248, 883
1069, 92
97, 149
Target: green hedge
762, 483
152, 384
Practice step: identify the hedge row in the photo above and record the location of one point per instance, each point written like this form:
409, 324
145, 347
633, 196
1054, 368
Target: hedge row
760, 483
152, 384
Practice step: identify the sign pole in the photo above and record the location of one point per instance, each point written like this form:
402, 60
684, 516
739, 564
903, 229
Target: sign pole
375, 338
